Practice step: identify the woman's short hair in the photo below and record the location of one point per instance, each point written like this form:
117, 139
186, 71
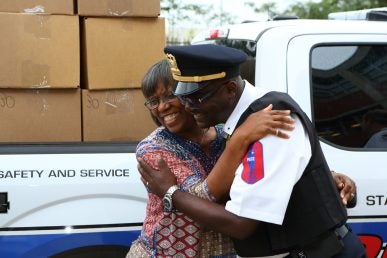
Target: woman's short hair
158, 74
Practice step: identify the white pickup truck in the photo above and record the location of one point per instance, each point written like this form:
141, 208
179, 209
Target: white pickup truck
88, 201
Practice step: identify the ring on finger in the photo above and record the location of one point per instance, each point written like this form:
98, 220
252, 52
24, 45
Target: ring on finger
147, 183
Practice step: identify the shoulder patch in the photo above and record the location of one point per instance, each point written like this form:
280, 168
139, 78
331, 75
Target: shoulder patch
252, 162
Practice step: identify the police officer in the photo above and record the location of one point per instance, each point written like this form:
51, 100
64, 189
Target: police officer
283, 200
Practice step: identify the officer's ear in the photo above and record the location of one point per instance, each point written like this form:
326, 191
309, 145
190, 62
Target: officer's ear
231, 85
232, 88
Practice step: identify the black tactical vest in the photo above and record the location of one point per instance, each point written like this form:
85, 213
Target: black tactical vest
314, 208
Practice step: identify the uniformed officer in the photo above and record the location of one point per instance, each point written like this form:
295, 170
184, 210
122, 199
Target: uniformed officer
283, 200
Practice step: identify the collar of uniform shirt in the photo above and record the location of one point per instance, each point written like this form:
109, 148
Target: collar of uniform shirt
225, 135
249, 95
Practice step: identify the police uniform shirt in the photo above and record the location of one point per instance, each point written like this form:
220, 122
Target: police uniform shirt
264, 180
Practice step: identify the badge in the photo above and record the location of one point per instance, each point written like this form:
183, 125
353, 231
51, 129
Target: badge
252, 162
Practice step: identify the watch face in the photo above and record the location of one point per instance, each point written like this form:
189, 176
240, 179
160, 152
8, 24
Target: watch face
167, 202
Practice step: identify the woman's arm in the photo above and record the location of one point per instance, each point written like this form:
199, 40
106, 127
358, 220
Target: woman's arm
256, 126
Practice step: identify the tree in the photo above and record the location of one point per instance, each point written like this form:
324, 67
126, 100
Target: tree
320, 10
317, 10
219, 18
269, 8
178, 13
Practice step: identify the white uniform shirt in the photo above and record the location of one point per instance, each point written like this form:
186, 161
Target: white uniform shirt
264, 181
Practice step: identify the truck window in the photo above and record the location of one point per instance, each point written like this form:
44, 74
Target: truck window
349, 94
247, 69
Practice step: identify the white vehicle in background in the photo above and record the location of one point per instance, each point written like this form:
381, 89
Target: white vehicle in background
337, 72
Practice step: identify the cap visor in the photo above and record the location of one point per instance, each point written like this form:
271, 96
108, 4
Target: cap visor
186, 88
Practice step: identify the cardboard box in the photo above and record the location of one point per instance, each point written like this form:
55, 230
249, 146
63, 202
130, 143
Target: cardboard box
39, 51
42, 115
37, 6
118, 51
115, 115
139, 8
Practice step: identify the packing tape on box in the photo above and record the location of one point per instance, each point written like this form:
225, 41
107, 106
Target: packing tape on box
35, 9
37, 25
35, 75
119, 8
119, 102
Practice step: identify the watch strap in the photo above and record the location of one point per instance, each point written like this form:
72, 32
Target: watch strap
167, 200
171, 190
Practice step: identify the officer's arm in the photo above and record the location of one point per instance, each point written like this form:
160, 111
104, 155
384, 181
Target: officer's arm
254, 128
208, 214
213, 215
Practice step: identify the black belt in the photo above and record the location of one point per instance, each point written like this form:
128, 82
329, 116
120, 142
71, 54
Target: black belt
342, 231
339, 233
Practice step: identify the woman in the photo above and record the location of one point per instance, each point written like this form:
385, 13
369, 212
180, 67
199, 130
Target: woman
191, 153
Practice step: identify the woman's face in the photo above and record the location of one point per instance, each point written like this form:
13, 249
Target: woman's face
170, 112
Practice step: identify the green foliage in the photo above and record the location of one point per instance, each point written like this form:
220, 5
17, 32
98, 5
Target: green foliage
270, 8
180, 14
319, 10
178, 11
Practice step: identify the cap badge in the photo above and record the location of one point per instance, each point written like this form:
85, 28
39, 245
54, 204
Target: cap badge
172, 62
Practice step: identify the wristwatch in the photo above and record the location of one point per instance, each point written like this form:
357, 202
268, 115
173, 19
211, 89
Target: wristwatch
167, 199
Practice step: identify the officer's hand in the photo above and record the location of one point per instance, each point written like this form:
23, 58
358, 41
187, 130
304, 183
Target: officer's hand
347, 189
266, 121
156, 181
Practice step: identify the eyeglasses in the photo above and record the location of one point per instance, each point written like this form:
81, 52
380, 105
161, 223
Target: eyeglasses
154, 102
196, 101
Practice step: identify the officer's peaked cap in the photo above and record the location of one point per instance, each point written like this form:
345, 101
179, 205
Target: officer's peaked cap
194, 66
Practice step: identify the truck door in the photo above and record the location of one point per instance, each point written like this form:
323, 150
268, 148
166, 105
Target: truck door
340, 81
76, 203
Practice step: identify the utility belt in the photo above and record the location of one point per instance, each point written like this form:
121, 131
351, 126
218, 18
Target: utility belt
325, 246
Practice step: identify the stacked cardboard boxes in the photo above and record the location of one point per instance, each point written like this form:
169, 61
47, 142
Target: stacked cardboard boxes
116, 53
46, 115
39, 72
115, 115
49, 53
123, 8
38, 6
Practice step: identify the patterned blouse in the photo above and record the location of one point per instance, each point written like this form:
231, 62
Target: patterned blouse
173, 234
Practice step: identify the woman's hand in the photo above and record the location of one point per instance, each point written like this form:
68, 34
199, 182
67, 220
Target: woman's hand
347, 189
157, 181
264, 122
